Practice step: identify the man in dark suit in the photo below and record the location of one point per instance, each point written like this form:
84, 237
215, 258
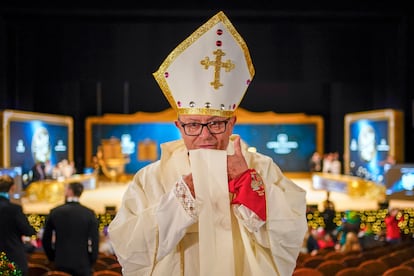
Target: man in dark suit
14, 225
71, 236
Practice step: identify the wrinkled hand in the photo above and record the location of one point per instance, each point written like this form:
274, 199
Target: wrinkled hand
236, 164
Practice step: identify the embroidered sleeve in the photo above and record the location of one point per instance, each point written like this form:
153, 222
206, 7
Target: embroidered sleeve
250, 220
183, 194
249, 201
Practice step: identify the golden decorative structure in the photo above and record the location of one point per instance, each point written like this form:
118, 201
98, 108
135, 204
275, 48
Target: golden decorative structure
52, 190
110, 158
351, 185
49, 190
147, 150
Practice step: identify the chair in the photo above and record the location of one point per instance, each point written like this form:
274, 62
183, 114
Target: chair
400, 270
351, 271
106, 273
370, 255
108, 259
373, 267
42, 260
36, 254
313, 261
330, 267
390, 260
56, 273
37, 269
326, 250
401, 254
115, 267
301, 257
306, 271
410, 251
38, 259
375, 253
100, 265
353, 260
409, 262
334, 255
353, 252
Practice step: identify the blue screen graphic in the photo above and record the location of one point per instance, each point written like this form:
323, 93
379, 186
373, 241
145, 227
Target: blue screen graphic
134, 135
368, 148
290, 145
37, 141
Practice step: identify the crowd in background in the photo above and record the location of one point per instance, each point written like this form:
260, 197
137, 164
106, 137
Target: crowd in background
327, 163
348, 234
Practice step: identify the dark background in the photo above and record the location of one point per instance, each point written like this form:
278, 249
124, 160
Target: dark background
320, 58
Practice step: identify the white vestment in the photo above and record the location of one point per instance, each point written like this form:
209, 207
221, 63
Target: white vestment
152, 234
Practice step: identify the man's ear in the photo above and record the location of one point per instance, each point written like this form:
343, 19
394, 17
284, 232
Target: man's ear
232, 122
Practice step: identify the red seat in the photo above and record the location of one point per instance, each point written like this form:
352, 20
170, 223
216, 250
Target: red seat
37, 269
400, 270
353, 260
313, 261
373, 267
306, 271
115, 267
57, 273
106, 273
330, 267
351, 271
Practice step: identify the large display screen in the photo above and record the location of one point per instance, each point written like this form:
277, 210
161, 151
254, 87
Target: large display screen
368, 148
136, 139
31, 138
399, 182
290, 145
290, 139
370, 139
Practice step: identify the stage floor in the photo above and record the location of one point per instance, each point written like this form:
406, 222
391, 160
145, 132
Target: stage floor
109, 194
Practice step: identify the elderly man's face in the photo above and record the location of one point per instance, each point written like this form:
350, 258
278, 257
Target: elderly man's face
206, 138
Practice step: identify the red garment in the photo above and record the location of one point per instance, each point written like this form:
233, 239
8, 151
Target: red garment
324, 243
249, 191
392, 228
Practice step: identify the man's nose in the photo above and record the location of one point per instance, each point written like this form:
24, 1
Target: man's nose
205, 132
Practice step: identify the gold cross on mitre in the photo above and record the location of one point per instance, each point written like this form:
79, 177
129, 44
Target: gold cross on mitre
228, 66
185, 75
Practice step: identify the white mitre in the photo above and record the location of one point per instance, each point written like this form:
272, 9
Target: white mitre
209, 72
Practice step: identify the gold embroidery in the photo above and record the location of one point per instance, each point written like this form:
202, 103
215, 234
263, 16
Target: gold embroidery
160, 74
257, 183
218, 64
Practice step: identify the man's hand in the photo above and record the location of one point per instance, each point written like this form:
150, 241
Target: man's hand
236, 164
188, 179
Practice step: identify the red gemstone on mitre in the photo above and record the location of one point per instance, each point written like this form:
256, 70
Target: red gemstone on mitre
219, 32
248, 82
234, 106
218, 43
179, 104
166, 74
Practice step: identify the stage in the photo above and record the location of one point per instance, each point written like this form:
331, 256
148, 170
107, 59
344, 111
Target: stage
109, 194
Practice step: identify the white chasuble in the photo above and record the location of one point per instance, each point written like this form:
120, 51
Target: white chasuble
209, 170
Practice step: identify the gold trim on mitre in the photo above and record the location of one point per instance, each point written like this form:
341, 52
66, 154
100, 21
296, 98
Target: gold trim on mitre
209, 72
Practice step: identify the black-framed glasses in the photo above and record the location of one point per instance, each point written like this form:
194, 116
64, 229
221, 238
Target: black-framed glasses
195, 129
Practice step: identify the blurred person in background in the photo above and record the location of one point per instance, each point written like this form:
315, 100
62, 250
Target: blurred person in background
14, 226
71, 235
392, 228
